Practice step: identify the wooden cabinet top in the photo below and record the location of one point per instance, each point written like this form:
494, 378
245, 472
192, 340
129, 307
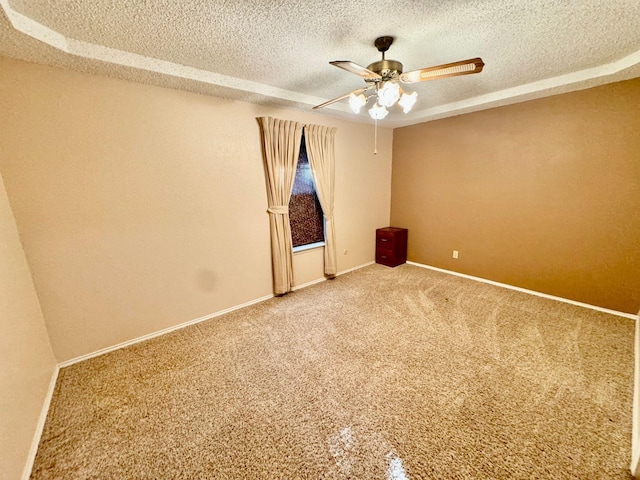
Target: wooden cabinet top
391, 229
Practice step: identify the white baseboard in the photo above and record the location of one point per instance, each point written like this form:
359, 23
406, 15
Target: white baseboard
324, 279
26, 473
308, 284
355, 268
164, 331
524, 290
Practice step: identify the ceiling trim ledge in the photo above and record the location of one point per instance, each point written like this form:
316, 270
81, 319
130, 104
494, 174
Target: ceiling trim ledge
41, 32
586, 78
581, 79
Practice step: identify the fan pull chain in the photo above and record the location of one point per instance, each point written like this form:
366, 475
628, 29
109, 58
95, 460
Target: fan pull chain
375, 138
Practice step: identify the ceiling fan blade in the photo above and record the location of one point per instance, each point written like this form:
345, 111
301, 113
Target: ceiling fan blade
357, 69
465, 67
341, 97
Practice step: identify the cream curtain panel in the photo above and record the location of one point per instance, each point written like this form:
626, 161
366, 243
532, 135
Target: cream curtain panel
321, 153
280, 149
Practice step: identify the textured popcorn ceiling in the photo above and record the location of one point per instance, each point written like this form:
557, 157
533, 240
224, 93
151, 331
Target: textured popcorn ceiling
277, 52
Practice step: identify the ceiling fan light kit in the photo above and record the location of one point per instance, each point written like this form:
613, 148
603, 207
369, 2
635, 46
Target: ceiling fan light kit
385, 75
378, 112
356, 102
388, 94
407, 101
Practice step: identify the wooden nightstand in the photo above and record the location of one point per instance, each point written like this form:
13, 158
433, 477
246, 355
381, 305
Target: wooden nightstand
391, 246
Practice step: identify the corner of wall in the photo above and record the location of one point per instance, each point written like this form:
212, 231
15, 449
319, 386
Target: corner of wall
26, 355
28, 467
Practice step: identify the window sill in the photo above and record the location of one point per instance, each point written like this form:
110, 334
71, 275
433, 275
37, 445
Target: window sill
310, 246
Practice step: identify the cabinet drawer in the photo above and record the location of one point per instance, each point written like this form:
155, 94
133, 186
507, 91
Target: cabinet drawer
385, 239
387, 257
384, 253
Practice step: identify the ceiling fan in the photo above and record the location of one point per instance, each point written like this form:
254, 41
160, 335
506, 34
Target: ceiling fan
385, 77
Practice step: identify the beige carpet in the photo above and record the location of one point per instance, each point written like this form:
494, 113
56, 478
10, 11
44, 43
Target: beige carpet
379, 374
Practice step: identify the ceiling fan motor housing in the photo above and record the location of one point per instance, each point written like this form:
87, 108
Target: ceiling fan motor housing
387, 69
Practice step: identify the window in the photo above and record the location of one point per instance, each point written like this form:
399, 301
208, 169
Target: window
305, 212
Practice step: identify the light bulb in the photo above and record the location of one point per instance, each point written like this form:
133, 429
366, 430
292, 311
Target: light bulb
407, 101
356, 102
378, 112
388, 94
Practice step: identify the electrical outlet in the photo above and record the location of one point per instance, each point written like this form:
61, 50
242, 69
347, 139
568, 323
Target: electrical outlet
455, 254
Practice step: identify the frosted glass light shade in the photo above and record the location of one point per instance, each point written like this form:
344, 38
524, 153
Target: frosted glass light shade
378, 112
407, 101
356, 102
389, 93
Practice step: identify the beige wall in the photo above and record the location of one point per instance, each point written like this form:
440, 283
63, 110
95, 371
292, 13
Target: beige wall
543, 195
27, 365
141, 207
